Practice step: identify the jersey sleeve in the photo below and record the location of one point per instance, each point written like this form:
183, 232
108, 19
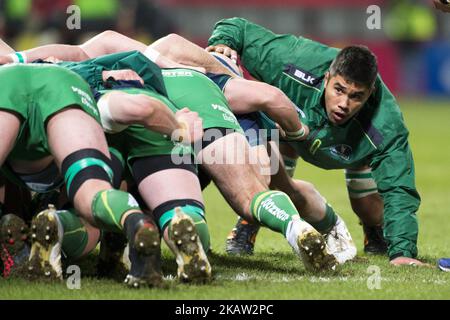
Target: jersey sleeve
394, 173
266, 54
91, 70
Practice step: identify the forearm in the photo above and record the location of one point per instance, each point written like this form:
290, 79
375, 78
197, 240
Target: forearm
246, 96
109, 42
129, 109
400, 222
59, 51
162, 120
281, 110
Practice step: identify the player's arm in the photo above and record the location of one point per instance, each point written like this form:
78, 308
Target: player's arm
262, 52
266, 55
119, 110
393, 171
245, 96
104, 43
112, 42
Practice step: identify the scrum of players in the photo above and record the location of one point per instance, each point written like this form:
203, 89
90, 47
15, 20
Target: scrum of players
110, 143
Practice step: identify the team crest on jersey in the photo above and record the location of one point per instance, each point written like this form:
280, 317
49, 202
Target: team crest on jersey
302, 76
342, 151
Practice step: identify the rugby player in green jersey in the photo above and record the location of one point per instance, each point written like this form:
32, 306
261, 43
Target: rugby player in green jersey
355, 122
244, 97
171, 190
271, 208
148, 156
190, 88
38, 105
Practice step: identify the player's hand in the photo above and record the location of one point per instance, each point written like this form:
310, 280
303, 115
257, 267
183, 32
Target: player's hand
405, 261
225, 50
192, 126
125, 74
441, 6
4, 59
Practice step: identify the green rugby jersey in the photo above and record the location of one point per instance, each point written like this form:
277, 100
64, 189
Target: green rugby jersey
377, 136
91, 70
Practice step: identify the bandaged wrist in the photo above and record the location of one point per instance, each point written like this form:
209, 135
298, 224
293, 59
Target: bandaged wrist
152, 54
296, 134
18, 57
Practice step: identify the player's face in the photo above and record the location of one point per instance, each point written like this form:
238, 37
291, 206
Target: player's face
343, 99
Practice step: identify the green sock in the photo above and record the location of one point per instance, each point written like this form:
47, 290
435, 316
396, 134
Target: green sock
197, 214
109, 206
274, 210
75, 237
327, 222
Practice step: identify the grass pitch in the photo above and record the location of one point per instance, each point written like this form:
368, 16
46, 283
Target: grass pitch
274, 272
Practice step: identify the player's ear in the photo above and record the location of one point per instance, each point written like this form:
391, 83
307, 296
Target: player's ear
327, 77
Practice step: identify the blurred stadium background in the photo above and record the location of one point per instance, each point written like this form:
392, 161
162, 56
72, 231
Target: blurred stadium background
412, 44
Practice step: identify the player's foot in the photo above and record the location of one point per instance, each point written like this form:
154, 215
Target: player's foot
193, 264
145, 257
14, 244
113, 262
241, 239
374, 242
311, 247
444, 264
46, 237
340, 242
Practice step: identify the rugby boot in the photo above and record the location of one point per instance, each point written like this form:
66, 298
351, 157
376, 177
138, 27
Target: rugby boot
14, 241
241, 240
193, 264
374, 242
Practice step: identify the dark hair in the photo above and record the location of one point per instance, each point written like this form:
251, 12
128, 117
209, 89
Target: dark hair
356, 64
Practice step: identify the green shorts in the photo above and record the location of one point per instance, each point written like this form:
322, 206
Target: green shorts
136, 141
36, 92
194, 90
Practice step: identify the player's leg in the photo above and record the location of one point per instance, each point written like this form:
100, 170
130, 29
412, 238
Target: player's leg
14, 247
166, 187
368, 206
81, 152
224, 156
252, 200
309, 202
173, 194
9, 130
75, 146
